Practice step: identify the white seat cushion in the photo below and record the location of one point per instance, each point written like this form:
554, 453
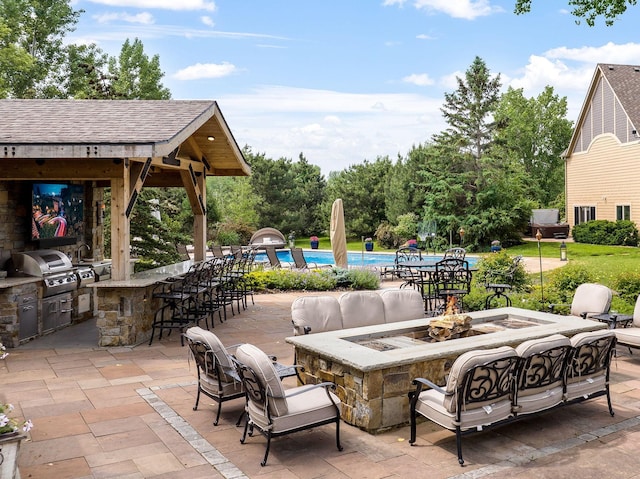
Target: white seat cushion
402, 304
530, 398
262, 365
591, 298
583, 379
361, 308
319, 313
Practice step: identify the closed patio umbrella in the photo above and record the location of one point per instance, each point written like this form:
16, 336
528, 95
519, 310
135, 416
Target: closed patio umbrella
338, 235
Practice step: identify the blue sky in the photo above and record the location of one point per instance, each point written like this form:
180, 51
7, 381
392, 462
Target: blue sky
342, 81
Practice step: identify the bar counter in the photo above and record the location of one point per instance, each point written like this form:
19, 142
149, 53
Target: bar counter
125, 309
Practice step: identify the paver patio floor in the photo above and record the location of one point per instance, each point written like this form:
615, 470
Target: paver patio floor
127, 413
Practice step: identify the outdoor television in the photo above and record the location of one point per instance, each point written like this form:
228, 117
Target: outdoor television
57, 213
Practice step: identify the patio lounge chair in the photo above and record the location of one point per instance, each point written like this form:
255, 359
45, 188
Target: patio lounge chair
301, 262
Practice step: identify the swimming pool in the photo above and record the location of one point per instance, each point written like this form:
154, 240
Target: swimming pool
354, 258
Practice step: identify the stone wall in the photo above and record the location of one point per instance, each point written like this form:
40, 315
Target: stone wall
372, 400
125, 315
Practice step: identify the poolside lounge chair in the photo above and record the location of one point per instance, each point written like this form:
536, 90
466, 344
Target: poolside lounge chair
301, 263
267, 237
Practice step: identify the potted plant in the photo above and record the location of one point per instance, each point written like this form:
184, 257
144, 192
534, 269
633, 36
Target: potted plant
10, 434
368, 244
412, 243
314, 242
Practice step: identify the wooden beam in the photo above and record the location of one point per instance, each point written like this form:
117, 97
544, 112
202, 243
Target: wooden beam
137, 174
194, 193
120, 228
200, 223
72, 169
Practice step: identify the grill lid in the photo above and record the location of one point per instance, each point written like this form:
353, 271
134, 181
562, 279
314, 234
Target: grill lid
38, 263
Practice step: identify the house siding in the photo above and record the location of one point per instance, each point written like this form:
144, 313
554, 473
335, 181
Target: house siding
596, 176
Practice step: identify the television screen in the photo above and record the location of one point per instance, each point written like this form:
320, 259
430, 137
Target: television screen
57, 212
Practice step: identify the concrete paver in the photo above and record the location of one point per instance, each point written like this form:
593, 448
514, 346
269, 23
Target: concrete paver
128, 413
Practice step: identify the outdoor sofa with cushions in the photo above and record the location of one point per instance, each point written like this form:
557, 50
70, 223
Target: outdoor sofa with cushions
488, 387
318, 313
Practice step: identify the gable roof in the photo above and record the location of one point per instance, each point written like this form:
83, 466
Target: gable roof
623, 83
94, 129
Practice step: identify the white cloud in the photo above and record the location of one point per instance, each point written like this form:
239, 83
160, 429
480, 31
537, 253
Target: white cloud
420, 79
207, 20
424, 36
627, 53
205, 70
161, 4
467, 9
332, 129
144, 18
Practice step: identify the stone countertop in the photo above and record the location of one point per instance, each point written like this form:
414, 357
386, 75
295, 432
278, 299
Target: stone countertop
147, 278
10, 282
341, 346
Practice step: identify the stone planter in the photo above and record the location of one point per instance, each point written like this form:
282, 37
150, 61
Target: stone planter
9, 447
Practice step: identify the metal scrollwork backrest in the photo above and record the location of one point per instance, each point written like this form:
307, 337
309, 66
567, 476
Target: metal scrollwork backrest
544, 368
204, 358
592, 357
487, 382
252, 385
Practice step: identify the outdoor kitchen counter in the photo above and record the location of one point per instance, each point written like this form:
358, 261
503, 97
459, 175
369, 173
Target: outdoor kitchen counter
7, 283
149, 277
126, 309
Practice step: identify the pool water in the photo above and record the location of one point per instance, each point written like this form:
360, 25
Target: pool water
354, 258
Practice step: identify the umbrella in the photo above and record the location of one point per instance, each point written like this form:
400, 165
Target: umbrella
338, 235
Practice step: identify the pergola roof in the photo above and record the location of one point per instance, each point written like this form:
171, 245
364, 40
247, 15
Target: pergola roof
108, 129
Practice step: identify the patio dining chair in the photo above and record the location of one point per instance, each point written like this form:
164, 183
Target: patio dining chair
500, 282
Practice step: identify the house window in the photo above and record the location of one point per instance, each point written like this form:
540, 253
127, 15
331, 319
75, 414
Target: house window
582, 214
623, 212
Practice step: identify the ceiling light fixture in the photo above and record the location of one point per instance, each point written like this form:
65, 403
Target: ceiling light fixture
211, 138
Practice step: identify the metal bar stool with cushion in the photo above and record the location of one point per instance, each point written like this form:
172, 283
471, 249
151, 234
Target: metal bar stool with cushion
275, 411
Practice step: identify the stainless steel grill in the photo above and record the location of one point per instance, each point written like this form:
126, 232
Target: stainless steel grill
53, 266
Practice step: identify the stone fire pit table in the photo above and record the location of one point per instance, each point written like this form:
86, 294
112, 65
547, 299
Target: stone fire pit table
373, 366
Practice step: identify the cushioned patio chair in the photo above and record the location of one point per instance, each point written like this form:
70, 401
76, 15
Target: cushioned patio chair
589, 365
274, 411
540, 373
478, 392
217, 377
590, 299
630, 336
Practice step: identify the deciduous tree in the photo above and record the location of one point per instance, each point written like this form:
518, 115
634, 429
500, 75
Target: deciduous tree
590, 10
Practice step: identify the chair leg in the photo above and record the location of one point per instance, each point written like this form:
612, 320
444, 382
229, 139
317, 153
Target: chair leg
609, 403
195, 407
266, 453
338, 434
244, 434
459, 445
215, 423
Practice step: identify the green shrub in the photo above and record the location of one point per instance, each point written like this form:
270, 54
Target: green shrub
502, 261
387, 237
564, 281
621, 233
627, 285
312, 280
